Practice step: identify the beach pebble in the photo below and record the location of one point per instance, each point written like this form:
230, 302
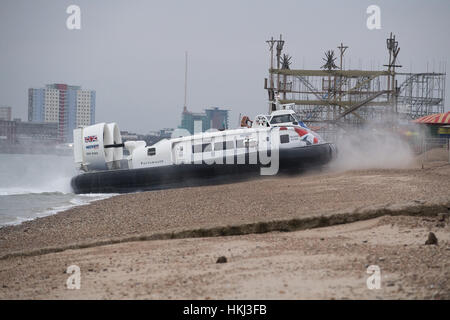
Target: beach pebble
431, 239
222, 259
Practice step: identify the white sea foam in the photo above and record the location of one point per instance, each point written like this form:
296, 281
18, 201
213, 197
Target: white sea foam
16, 221
19, 191
83, 199
33, 186
76, 201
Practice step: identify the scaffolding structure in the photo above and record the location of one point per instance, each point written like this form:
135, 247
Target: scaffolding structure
333, 97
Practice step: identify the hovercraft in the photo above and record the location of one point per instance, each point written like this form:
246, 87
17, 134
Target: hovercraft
270, 144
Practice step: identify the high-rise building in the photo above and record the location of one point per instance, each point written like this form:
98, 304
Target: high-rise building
68, 106
218, 118
200, 122
194, 122
5, 113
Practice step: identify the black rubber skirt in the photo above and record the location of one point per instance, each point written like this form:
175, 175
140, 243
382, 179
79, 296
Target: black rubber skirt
185, 175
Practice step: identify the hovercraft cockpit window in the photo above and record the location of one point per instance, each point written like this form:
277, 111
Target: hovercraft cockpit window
282, 119
151, 151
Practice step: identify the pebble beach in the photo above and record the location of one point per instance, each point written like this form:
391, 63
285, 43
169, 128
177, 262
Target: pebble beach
328, 225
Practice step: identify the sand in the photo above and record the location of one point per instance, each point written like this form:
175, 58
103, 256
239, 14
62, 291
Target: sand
324, 263
110, 240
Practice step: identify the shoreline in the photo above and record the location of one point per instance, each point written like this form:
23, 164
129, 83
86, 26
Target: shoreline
53, 210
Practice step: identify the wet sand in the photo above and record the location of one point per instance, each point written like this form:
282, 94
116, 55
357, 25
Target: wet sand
107, 240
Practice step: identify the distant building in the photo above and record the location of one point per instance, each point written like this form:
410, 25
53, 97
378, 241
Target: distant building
218, 118
5, 113
155, 136
194, 122
200, 122
68, 106
127, 136
150, 138
7, 132
165, 133
36, 132
26, 133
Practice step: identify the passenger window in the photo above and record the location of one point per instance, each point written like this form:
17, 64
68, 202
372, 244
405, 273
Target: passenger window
284, 138
198, 148
218, 146
151, 151
224, 145
229, 145
207, 147
240, 144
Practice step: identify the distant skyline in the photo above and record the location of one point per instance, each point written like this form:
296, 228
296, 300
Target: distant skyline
132, 53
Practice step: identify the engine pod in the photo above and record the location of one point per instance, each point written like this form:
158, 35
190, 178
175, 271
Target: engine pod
117, 152
95, 155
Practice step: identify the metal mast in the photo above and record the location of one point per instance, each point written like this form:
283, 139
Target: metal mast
271, 43
185, 81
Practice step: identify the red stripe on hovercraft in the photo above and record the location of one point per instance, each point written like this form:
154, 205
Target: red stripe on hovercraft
301, 132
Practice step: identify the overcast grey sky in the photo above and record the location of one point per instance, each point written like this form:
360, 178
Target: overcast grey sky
132, 52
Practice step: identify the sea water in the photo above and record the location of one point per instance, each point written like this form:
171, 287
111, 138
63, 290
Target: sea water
33, 186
